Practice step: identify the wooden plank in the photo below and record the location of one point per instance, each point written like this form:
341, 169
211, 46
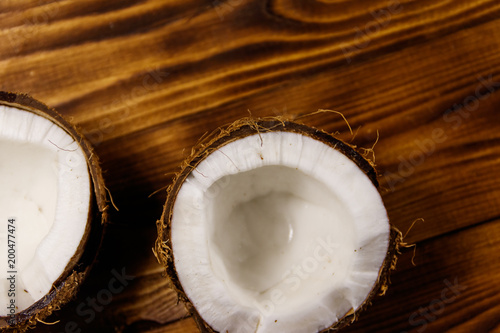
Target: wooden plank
144, 80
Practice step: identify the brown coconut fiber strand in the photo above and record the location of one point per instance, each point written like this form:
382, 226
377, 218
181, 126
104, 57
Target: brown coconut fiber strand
406, 245
368, 151
65, 287
238, 130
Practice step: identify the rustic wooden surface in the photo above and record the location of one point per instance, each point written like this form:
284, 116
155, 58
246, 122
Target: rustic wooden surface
144, 80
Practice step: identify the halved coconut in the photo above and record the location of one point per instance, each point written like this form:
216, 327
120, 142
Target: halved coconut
52, 208
273, 226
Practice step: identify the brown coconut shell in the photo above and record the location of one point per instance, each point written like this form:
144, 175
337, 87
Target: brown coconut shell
66, 286
241, 129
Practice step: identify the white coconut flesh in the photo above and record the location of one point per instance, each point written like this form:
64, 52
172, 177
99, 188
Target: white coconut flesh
277, 232
45, 186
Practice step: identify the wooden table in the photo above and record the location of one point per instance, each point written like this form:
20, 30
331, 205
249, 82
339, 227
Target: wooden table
144, 80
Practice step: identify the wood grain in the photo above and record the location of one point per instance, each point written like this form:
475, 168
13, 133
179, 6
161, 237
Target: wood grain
144, 80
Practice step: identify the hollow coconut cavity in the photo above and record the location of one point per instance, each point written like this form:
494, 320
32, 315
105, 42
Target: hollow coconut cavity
273, 226
52, 206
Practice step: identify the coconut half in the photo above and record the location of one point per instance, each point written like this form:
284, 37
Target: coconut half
273, 226
52, 209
